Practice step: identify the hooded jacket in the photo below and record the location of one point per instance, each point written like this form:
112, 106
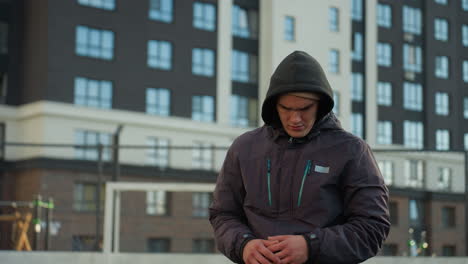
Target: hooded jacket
325, 186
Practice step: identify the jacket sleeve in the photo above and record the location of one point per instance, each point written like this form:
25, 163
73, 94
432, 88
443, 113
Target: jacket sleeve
226, 212
366, 225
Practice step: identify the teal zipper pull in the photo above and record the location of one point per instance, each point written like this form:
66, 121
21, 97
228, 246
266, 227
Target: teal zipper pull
268, 181
306, 172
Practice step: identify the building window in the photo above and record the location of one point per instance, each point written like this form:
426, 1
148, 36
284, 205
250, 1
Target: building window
2, 141
441, 67
356, 53
465, 35
357, 124
441, 29
244, 22
412, 59
200, 203
334, 19
412, 20
102, 4
384, 132
442, 139
83, 243
244, 67
416, 213
393, 206
158, 101
203, 246
444, 182
384, 93
414, 175
93, 93
94, 43
384, 54
202, 156
3, 38
157, 153
465, 141
87, 142
448, 217
413, 134
356, 10
84, 197
157, 203
356, 87
441, 2
159, 245
289, 28
441, 103
389, 249
336, 106
449, 250
464, 5
465, 71
203, 108
384, 15
387, 169
203, 62
465, 107
161, 10
159, 54
204, 16
334, 61
412, 98
243, 111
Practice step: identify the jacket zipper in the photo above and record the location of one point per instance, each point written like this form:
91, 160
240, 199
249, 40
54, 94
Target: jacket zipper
306, 172
268, 180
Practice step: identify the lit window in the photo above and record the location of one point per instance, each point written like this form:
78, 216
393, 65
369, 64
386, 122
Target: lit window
103, 4
384, 93
203, 108
384, 132
159, 54
413, 136
93, 93
441, 103
464, 5
465, 35
87, 145
244, 22
358, 47
384, 15
414, 172
158, 101
441, 67
244, 67
333, 16
203, 62
84, 197
442, 139
384, 54
465, 71
386, 168
356, 87
289, 28
202, 156
94, 43
157, 153
441, 2
465, 107
356, 10
200, 203
412, 20
412, 59
412, 97
444, 182
336, 106
357, 124
156, 203
441, 29
465, 140
334, 61
161, 10
204, 16
243, 111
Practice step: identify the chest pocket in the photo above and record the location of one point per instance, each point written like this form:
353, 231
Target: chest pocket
257, 179
315, 175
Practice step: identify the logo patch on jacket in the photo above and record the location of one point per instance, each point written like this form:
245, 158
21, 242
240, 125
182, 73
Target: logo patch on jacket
321, 169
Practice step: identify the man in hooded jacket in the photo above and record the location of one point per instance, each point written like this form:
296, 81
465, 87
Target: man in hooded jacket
299, 189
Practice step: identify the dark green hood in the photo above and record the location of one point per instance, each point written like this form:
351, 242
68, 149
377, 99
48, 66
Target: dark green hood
298, 72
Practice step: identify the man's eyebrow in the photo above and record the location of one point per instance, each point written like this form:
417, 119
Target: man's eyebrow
297, 109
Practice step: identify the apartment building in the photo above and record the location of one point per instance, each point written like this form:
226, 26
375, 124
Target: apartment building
185, 78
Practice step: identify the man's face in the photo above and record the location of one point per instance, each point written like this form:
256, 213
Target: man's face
297, 114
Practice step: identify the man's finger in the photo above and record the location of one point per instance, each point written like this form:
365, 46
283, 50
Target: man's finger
279, 238
269, 255
268, 243
282, 255
277, 246
261, 259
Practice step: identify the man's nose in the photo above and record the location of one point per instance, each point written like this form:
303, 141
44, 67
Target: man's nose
295, 116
